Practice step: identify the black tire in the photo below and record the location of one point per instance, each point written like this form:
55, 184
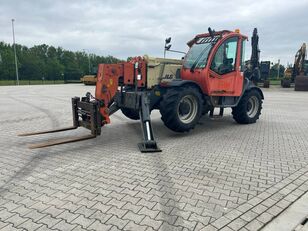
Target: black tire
286, 83
266, 84
181, 108
249, 108
131, 113
301, 83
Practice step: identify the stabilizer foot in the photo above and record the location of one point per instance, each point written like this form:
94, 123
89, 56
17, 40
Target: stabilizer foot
148, 146
221, 113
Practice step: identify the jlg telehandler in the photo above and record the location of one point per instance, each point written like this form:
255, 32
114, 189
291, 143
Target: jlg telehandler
210, 76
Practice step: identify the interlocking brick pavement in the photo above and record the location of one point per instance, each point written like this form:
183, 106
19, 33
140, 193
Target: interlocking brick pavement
220, 176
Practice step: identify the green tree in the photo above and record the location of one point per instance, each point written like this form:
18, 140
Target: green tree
274, 71
7, 65
46, 61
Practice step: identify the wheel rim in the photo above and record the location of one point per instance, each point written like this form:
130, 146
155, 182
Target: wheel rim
187, 109
252, 106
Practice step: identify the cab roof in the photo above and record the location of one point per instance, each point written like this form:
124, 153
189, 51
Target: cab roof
216, 33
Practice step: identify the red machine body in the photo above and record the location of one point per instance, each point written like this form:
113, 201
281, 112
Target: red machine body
110, 75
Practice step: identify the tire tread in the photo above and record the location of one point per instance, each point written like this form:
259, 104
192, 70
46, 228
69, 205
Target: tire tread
169, 112
239, 112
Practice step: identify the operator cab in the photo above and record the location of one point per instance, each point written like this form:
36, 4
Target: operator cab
215, 61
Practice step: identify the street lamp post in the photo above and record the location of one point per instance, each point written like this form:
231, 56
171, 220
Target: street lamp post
14, 44
278, 70
89, 64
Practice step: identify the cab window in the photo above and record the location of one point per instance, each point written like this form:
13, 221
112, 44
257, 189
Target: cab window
225, 57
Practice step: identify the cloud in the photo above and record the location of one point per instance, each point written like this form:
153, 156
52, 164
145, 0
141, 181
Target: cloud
129, 28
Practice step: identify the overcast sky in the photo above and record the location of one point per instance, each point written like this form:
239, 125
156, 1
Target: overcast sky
129, 28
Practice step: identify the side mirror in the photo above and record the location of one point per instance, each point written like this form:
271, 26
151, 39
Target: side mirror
168, 40
167, 47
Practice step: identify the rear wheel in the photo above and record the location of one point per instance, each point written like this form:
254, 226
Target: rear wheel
131, 113
286, 83
266, 84
249, 108
301, 83
181, 108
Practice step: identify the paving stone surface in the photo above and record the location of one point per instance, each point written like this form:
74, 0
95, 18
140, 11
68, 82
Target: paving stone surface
220, 176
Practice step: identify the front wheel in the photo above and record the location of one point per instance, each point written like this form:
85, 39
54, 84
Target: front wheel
249, 108
285, 83
181, 108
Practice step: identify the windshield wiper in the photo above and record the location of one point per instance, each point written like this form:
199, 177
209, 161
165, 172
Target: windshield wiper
199, 57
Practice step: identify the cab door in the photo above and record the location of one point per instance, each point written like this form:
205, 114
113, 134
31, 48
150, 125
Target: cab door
225, 78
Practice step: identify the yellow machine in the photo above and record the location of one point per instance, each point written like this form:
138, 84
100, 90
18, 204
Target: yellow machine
296, 74
287, 77
288, 72
89, 79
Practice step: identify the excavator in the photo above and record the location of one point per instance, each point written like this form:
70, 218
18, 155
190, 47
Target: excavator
210, 76
301, 70
259, 70
298, 72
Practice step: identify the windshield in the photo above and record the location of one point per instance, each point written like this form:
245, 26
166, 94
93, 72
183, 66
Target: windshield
199, 52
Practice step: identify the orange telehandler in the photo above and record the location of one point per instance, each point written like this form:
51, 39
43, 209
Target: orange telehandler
211, 75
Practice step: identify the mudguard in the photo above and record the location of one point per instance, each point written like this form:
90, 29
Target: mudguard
248, 85
179, 83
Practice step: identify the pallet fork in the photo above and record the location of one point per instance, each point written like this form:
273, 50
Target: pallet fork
85, 109
86, 113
